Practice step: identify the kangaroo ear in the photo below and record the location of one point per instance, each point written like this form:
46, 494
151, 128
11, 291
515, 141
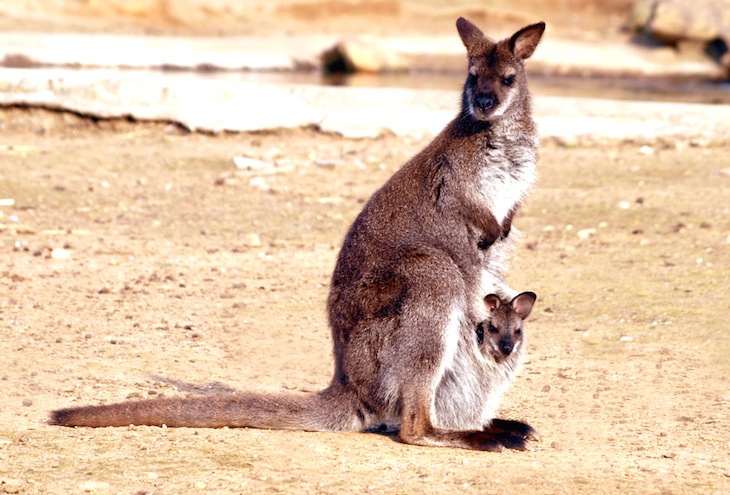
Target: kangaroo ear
492, 301
469, 33
522, 304
523, 42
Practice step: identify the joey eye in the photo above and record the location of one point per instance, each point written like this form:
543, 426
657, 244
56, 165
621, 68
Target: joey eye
480, 334
492, 329
518, 331
508, 81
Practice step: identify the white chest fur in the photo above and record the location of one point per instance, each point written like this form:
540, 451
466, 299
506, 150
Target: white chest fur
506, 176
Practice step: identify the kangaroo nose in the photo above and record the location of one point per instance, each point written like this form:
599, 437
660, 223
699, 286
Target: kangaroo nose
485, 101
505, 346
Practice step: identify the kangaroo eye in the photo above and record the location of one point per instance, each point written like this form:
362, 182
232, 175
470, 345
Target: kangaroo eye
508, 81
493, 329
518, 331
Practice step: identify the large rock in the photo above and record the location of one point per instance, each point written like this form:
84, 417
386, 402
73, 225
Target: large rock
679, 22
674, 21
362, 55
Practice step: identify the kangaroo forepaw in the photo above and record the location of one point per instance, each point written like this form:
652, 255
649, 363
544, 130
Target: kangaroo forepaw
489, 238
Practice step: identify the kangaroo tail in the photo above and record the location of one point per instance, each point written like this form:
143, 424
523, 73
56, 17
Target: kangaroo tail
325, 411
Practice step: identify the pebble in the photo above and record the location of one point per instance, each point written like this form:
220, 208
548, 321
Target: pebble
60, 254
626, 338
92, 486
586, 233
27, 402
259, 183
646, 150
252, 240
329, 163
11, 486
246, 163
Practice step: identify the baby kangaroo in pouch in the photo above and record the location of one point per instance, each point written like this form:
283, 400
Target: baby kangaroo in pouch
502, 331
407, 293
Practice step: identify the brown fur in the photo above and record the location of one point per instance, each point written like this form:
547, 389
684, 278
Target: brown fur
407, 290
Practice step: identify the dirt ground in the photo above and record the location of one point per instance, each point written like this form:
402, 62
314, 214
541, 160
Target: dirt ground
579, 19
137, 261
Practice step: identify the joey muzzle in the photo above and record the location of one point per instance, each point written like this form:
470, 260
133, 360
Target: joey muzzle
485, 101
505, 346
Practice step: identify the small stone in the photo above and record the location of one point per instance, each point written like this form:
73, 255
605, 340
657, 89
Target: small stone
567, 141
60, 254
252, 240
646, 150
200, 485
624, 205
11, 486
626, 338
93, 486
259, 183
246, 163
329, 163
27, 402
586, 233
546, 389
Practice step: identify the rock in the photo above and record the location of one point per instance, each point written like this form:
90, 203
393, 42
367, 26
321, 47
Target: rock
672, 21
247, 163
60, 254
361, 55
681, 22
11, 486
586, 233
252, 240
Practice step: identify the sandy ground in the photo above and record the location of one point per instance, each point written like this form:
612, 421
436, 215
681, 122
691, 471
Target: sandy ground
137, 261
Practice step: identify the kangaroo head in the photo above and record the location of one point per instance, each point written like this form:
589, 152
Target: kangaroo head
502, 334
496, 81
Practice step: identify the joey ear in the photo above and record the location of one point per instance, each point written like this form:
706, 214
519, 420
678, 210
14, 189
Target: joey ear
469, 33
492, 301
523, 42
522, 304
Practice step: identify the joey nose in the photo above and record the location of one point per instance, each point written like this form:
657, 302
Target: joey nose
485, 101
505, 347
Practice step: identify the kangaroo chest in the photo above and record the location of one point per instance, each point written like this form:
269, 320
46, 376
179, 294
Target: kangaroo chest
505, 174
